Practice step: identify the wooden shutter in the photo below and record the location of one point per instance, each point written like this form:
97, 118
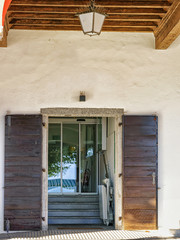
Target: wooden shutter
23, 168
140, 172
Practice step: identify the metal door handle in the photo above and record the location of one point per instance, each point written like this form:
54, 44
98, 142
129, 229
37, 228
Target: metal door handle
154, 178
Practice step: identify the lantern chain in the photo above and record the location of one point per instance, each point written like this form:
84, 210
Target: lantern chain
92, 7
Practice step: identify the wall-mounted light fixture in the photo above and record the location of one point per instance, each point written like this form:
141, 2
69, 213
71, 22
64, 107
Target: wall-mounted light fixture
92, 19
82, 97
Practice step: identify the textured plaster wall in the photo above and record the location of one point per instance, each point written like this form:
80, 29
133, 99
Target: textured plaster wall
123, 70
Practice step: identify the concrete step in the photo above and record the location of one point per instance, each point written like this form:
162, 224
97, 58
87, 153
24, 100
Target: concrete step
74, 199
73, 209
74, 220
73, 213
73, 206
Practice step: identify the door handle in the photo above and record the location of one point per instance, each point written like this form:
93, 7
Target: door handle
153, 178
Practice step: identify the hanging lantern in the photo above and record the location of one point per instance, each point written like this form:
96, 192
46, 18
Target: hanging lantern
92, 20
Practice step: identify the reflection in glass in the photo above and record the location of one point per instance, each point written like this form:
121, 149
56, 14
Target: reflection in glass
54, 158
63, 174
88, 158
70, 165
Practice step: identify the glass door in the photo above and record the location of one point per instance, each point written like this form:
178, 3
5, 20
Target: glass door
54, 158
88, 158
72, 157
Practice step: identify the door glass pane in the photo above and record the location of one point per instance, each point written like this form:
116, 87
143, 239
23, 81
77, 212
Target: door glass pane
88, 158
70, 165
54, 158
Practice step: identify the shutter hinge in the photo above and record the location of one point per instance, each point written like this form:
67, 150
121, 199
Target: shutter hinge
43, 124
120, 124
43, 218
120, 175
120, 218
43, 170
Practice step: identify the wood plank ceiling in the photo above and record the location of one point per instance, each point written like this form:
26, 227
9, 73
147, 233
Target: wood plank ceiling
129, 15
124, 16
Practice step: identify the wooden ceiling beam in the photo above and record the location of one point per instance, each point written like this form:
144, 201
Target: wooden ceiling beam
77, 23
128, 17
78, 28
51, 9
3, 41
169, 27
100, 3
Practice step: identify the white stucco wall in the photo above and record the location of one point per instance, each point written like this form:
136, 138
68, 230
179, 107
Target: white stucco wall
49, 69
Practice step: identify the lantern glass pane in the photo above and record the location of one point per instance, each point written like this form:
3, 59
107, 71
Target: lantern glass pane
86, 21
98, 22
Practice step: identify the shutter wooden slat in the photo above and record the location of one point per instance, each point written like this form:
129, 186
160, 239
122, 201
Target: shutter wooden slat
23, 171
140, 192
142, 141
138, 171
20, 203
22, 161
139, 203
140, 121
137, 181
140, 130
23, 214
139, 163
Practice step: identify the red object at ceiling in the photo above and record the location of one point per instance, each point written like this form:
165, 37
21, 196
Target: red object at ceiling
5, 8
